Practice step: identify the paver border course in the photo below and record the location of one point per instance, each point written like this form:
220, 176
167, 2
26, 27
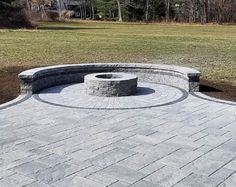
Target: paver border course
103, 104
36, 79
20, 99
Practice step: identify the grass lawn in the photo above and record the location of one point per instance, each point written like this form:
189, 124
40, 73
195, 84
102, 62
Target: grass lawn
209, 48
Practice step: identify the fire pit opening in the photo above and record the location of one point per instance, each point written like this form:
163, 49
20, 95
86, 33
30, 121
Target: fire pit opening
109, 76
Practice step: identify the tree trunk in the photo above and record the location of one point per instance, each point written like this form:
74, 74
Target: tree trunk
147, 9
81, 13
205, 11
85, 10
167, 2
194, 11
93, 16
119, 10
220, 11
59, 9
191, 12
110, 13
28, 5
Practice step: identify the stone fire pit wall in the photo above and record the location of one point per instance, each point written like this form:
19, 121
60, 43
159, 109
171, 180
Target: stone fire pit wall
34, 80
110, 84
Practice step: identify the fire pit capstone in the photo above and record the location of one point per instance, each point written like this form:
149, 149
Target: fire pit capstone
110, 84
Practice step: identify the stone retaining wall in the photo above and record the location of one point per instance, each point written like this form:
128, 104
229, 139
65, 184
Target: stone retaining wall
34, 80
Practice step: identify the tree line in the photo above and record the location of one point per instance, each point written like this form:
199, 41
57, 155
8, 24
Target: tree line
18, 12
191, 11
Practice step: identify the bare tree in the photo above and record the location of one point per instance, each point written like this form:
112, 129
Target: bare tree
147, 10
119, 10
92, 3
167, 9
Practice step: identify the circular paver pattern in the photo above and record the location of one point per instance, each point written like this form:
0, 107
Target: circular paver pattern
148, 95
110, 84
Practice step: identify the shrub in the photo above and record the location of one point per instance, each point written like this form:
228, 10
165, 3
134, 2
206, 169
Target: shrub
13, 14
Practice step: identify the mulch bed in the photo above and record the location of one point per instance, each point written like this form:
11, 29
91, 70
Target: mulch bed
10, 86
218, 90
9, 82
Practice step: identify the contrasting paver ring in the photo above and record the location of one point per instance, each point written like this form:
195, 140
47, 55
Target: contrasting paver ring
148, 95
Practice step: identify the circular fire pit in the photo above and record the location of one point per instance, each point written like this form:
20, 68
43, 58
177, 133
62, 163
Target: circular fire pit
110, 84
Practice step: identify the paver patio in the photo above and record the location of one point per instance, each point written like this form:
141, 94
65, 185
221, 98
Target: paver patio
162, 136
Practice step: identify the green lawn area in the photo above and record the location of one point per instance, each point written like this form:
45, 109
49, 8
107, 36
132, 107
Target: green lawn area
210, 48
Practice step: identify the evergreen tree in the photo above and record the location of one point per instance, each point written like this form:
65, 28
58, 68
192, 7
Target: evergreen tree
13, 14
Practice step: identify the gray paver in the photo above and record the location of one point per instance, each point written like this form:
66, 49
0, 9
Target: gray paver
204, 166
119, 184
167, 176
102, 179
15, 180
30, 168
180, 161
196, 180
55, 173
143, 183
152, 167
77, 181
138, 161
230, 182
222, 174
111, 157
187, 143
37, 184
124, 174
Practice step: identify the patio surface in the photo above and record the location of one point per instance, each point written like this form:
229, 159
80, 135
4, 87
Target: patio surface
161, 137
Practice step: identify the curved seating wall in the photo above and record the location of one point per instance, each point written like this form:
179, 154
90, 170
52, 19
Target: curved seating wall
34, 80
